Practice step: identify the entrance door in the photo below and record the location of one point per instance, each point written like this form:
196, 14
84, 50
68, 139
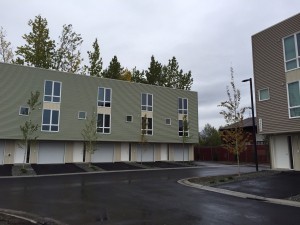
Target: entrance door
19, 153
78, 152
281, 152
164, 152
125, 152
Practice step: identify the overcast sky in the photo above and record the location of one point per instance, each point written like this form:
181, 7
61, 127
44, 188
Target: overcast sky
206, 36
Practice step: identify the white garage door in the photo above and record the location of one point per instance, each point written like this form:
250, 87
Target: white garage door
125, 152
281, 152
19, 153
145, 153
163, 152
181, 153
104, 153
1, 152
51, 152
78, 152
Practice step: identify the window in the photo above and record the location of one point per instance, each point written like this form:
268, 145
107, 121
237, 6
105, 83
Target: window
50, 121
263, 94
103, 123
52, 91
168, 121
183, 106
81, 115
104, 97
147, 102
183, 129
24, 111
128, 118
147, 126
292, 51
294, 99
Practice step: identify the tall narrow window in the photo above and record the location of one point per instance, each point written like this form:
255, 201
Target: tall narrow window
52, 91
103, 123
292, 51
50, 120
183, 127
104, 97
147, 126
147, 102
183, 106
294, 99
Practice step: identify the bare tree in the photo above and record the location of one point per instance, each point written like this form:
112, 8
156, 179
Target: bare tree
6, 53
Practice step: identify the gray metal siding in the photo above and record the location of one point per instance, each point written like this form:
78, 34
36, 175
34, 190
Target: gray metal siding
269, 72
79, 93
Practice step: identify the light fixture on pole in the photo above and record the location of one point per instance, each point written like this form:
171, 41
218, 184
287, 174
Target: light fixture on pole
253, 124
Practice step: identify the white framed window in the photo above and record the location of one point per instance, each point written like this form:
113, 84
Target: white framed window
104, 97
81, 115
147, 126
103, 123
183, 106
129, 118
168, 121
183, 129
24, 111
52, 91
50, 120
147, 102
294, 99
291, 46
260, 125
263, 94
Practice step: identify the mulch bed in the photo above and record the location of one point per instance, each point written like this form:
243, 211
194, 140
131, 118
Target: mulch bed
116, 166
5, 170
42, 169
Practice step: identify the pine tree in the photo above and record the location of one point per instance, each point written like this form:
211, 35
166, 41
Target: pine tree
67, 57
154, 72
138, 76
114, 70
95, 60
39, 48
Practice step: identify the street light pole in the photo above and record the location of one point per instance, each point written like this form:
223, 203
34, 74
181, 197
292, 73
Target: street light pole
253, 124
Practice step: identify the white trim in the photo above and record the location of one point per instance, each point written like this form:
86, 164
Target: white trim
24, 114
104, 96
259, 98
103, 127
82, 118
287, 89
52, 94
147, 105
50, 124
297, 58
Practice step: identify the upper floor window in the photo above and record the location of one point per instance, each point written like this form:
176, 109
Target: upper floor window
147, 126
183, 127
183, 106
52, 91
50, 121
147, 102
24, 111
292, 51
294, 99
263, 94
81, 115
104, 97
103, 123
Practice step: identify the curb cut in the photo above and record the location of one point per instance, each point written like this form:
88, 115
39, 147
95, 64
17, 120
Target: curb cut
185, 182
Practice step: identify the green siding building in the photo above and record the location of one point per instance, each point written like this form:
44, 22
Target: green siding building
124, 110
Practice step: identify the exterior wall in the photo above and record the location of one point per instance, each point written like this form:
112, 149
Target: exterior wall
69, 152
269, 72
296, 150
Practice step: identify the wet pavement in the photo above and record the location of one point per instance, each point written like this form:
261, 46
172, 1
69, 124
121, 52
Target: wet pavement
139, 197
281, 185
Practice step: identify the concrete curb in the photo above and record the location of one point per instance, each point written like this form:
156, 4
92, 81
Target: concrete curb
34, 219
239, 194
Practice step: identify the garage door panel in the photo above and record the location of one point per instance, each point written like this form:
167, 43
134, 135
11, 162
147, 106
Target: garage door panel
51, 152
181, 153
2, 144
145, 153
104, 153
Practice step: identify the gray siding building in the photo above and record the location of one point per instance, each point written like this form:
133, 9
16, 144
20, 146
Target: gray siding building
68, 101
276, 60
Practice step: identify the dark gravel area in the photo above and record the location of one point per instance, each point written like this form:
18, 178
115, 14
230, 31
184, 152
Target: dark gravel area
5, 170
42, 169
116, 166
160, 164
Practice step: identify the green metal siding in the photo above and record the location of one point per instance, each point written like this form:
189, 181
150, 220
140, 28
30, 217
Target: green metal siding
79, 93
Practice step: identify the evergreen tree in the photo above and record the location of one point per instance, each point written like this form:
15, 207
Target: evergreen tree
67, 57
114, 70
6, 54
138, 76
154, 73
95, 61
170, 73
39, 48
184, 80
209, 136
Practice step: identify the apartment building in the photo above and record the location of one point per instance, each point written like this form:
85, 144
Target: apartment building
68, 101
276, 61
